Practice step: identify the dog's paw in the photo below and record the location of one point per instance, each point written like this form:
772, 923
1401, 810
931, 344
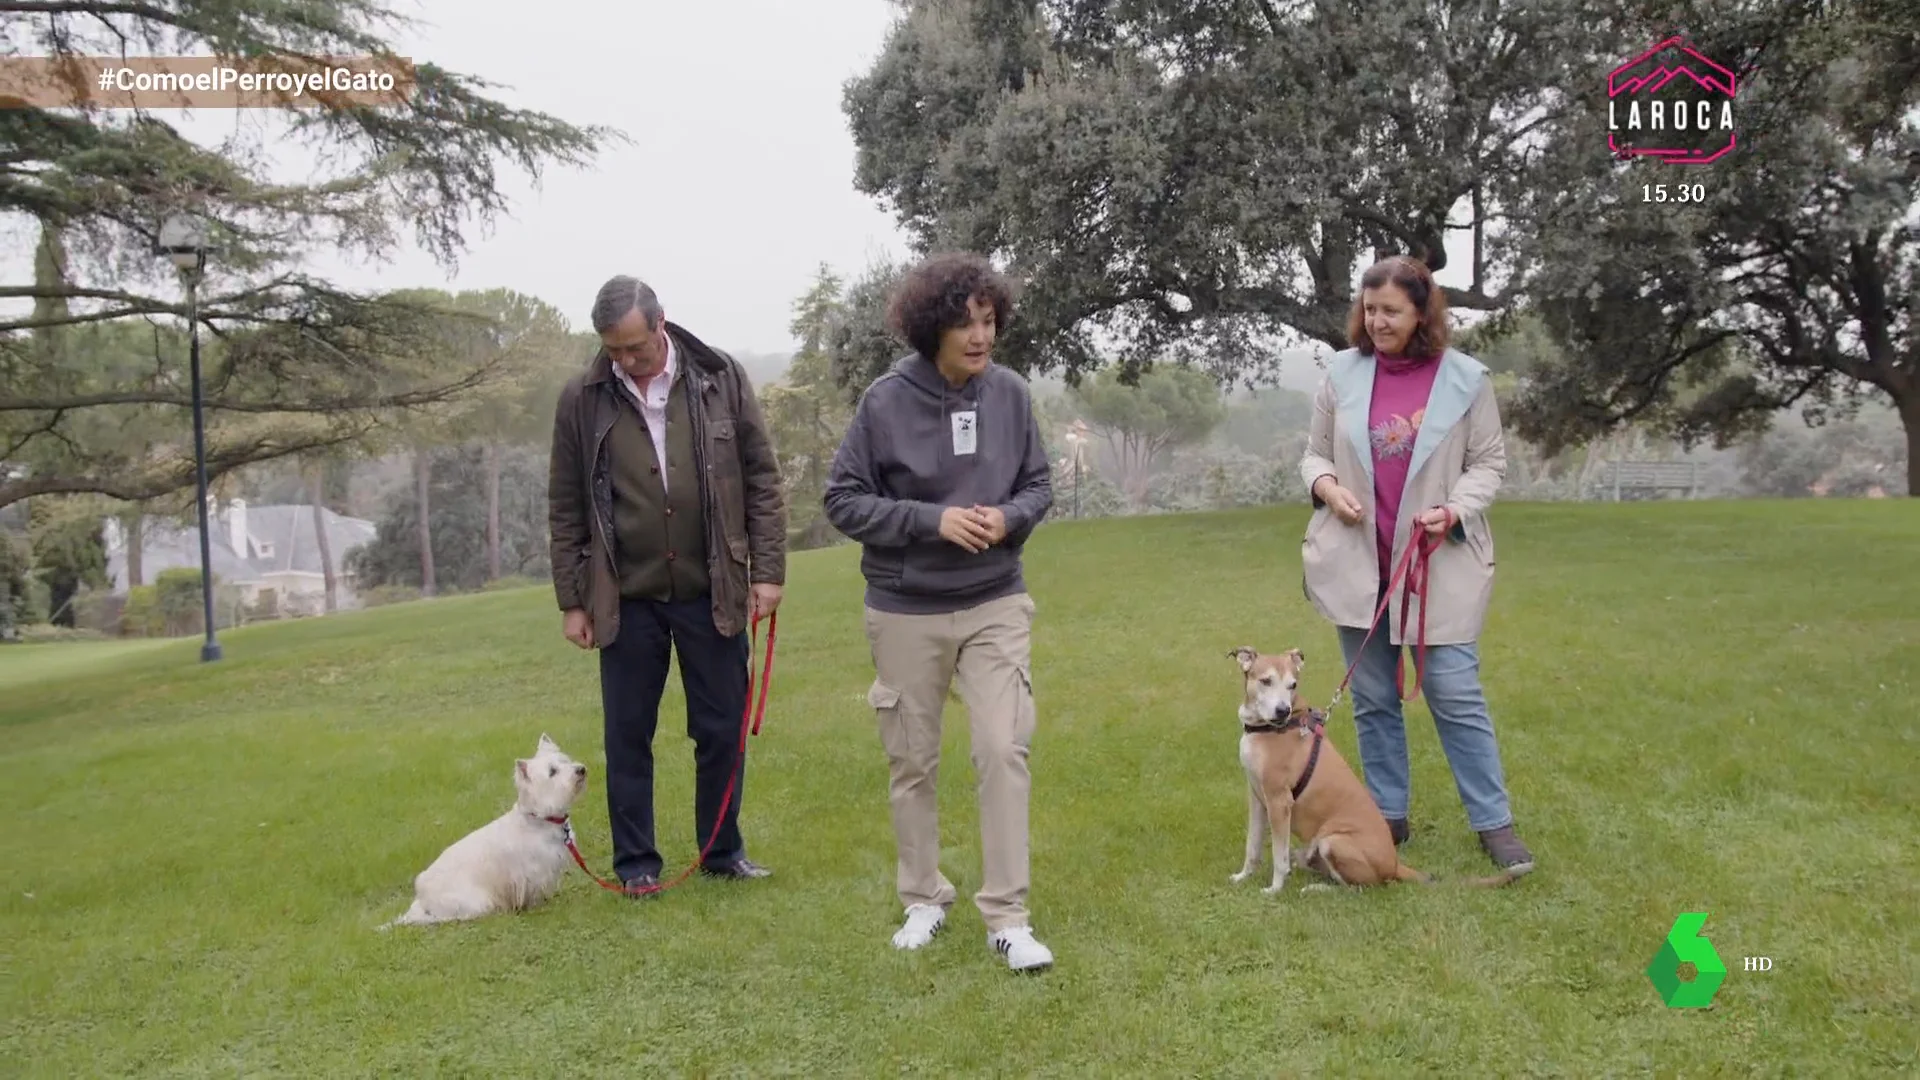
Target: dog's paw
1279, 883
1241, 876
1318, 886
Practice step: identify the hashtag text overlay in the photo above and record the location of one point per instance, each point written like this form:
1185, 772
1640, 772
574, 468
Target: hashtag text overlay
203, 82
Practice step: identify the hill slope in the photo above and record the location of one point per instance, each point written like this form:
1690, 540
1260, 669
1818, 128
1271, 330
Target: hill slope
197, 855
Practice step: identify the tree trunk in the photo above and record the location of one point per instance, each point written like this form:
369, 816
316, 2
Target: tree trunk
135, 532
493, 511
422, 475
317, 485
1910, 419
60, 594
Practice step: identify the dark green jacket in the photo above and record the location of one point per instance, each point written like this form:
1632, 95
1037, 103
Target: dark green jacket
743, 502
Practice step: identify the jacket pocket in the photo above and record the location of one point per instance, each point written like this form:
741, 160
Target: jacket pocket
1315, 524
1480, 541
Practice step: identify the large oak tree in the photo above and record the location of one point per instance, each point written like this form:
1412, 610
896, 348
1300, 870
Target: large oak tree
1184, 179
1790, 285
294, 364
1195, 181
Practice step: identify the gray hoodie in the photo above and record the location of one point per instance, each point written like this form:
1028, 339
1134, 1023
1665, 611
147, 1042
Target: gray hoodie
910, 452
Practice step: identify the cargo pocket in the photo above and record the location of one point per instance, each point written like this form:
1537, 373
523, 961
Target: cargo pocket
1027, 715
885, 701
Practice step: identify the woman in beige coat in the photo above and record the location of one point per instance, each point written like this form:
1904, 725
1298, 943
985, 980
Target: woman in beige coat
1406, 436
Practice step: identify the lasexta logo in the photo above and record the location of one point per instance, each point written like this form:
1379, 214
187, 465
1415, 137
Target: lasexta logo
1673, 104
1686, 945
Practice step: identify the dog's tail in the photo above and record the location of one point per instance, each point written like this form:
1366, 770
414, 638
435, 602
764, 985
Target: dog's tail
1506, 877
1403, 872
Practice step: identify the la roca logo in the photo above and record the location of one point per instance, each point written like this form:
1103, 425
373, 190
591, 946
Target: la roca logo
1672, 104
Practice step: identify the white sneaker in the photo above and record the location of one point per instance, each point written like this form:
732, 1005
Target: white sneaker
923, 921
1017, 944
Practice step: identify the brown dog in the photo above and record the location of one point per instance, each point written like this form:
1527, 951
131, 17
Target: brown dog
1299, 785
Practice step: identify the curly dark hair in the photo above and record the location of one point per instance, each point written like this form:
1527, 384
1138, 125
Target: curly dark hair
932, 298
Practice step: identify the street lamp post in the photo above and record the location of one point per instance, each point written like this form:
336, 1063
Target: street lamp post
1076, 446
183, 240
1076, 478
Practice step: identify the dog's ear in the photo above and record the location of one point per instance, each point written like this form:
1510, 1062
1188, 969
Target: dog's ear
1246, 654
1299, 658
520, 767
546, 745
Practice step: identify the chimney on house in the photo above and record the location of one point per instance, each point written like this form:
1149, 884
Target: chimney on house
237, 527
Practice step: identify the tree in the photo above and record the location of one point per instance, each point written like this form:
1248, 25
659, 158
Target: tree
861, 346
1170, 406
294, 363
806, 410
1180, 179
458, 478
1192, 180
1255, 422
1845, 458
317, 499
537, 353
16, 565
517, 338
1790, 285
69, 551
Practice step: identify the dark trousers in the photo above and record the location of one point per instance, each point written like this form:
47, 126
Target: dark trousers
633, 675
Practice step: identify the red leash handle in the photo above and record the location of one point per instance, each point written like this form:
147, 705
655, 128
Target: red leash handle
750, 718
1415, 571
766, 673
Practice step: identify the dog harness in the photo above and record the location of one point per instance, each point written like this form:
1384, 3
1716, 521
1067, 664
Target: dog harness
1317, 718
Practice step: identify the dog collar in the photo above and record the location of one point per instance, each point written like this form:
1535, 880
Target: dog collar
1293, 720
1316, 719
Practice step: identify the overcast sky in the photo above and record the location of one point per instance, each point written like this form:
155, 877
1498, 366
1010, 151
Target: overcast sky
738, 181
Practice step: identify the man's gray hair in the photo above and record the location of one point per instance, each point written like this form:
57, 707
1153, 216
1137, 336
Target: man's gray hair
620, 296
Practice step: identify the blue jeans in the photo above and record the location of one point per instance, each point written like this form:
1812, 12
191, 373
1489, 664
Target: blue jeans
1452, 689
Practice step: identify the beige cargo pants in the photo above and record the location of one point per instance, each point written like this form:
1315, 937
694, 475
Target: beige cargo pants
916, 658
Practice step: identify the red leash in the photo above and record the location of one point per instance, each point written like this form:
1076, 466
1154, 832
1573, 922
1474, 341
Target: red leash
749, 721
1415, 571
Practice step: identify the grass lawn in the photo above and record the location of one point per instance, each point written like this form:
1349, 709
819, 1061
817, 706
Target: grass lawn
1704, 707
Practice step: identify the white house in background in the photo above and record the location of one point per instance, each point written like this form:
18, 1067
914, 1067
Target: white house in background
251, 548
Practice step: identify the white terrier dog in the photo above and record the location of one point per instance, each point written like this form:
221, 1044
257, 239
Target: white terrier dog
514, 861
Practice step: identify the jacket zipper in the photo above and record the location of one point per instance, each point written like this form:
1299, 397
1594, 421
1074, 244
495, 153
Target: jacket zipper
697, 386
593, 486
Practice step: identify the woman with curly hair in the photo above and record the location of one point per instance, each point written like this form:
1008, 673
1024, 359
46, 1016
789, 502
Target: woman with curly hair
942, 476
1405, 443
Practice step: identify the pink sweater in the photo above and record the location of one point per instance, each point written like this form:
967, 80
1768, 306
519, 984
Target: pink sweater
1401, 388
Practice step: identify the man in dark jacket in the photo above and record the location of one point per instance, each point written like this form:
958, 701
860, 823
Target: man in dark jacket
669, 531
942, 477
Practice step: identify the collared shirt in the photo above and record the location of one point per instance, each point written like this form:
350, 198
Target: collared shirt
653, 406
